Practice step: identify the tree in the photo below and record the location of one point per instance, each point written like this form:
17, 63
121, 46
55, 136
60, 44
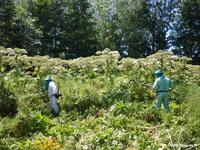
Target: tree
15, 28
133, 16
7, 14
173, 22
188, 35
107, 23
79, 33
122, 25
135, 26
48, 15
157, 21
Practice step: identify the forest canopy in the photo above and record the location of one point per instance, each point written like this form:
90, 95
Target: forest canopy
79, 28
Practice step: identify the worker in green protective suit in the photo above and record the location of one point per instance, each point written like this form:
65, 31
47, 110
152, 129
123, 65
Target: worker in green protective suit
162, 85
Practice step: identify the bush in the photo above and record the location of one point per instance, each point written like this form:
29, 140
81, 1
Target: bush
150, 114
194, 112
30, 123
8, 103
116, 94
77, 95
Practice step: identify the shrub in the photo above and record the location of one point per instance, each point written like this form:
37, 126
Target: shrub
116, 94
30, 123
77, 95
193, 125
7, 143
48, 143
150, 114
8, 103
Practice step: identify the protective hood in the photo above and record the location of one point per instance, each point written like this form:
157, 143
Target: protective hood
158, 73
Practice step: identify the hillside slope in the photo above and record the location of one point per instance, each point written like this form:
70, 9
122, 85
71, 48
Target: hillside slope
106, 103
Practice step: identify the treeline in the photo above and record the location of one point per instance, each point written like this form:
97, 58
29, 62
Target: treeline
74, 28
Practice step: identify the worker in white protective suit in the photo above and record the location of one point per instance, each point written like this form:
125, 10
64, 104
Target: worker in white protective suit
53, 94
162, 85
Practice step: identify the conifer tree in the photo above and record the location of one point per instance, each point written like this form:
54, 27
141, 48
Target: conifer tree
188, 40
48, 15
79, 34
7, 14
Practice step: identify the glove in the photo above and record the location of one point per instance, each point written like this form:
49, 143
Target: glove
57, 95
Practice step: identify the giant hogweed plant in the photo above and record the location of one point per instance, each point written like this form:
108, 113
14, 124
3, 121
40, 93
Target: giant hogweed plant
8, 102
112, 110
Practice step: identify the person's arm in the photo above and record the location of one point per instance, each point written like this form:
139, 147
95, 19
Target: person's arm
170, 84
155, 85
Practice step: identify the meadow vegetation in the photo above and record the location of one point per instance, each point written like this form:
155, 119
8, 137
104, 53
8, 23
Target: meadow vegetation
107, 103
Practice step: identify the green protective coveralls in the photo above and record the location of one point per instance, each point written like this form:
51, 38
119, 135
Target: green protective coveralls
162, 85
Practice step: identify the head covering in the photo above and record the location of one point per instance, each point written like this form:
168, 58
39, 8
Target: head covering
47, 80
158, 73
50, 77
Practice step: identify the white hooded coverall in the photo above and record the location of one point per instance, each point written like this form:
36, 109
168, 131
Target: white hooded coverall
52, 90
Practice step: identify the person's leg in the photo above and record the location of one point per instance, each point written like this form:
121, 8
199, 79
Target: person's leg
159, 101
54, 105
166, 102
